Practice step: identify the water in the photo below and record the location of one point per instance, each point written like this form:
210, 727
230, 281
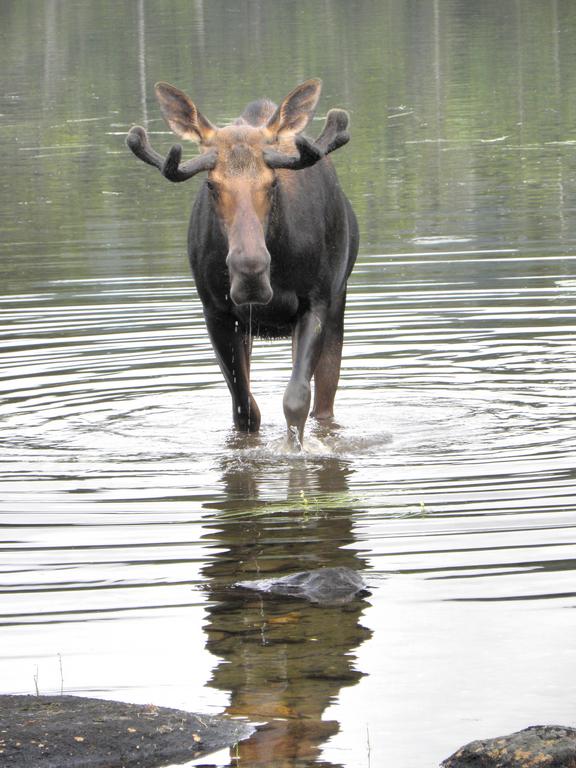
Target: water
128, 502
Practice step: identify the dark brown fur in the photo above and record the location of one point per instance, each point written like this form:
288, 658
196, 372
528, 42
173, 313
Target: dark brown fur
272, 241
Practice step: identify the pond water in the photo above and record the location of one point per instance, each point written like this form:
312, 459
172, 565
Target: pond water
128, 502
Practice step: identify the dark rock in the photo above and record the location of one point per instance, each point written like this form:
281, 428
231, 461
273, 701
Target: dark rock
540, 746
327, 586
77, 732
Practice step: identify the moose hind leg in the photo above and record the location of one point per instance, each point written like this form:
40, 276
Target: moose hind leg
327, 372
232, 349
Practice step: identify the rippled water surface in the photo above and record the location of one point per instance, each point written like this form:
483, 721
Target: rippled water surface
128, 503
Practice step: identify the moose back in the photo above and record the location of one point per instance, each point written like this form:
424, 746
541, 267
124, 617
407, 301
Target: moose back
272, 241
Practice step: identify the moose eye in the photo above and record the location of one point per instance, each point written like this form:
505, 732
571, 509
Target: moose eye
212, 188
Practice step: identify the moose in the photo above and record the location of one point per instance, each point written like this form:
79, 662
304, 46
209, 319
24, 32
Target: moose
272, 240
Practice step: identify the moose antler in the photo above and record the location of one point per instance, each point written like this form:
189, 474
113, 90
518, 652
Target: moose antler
170, 166
334, 135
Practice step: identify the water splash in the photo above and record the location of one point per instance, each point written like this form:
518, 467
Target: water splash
293, 442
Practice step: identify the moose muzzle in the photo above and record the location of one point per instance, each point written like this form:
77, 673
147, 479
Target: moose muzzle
249, 276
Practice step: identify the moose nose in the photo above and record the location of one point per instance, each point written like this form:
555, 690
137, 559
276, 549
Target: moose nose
250, 290
249, 277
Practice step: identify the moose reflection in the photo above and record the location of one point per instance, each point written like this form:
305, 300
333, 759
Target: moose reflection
272, 241
282, 661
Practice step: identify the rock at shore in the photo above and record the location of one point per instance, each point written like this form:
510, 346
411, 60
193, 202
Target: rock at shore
78, 732
540, 746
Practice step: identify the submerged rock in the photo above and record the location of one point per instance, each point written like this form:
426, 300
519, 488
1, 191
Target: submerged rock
327, 586
78, 732
540, 746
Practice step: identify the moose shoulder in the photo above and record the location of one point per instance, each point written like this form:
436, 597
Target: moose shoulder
272, 241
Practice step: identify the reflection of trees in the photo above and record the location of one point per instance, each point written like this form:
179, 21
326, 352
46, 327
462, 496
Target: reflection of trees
283, 661
410, 72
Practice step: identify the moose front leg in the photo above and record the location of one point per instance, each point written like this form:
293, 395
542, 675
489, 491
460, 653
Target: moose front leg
307, 340
232, 348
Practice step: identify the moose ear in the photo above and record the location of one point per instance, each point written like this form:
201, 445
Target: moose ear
182, 115
293, 115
